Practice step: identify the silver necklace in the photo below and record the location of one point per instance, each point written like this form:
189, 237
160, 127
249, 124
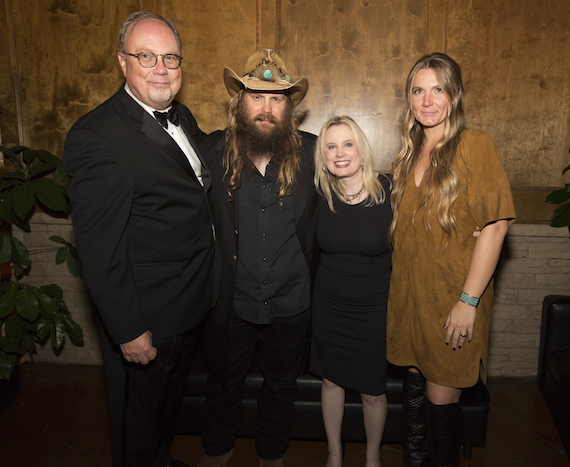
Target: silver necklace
350, 198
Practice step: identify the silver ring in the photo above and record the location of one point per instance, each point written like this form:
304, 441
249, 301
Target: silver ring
463, 335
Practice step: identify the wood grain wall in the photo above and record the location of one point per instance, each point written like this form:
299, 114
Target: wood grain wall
355, 53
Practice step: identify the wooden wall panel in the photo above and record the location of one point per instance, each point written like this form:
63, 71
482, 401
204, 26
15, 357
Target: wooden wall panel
8, 125
436, 26
67, 63
269, 23
356, 55
515, 58
215, 33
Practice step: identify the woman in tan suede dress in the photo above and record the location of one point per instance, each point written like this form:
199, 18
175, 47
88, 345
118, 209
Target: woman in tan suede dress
448, 181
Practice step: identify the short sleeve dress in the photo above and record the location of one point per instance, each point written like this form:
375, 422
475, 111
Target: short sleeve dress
351, 294
428, 276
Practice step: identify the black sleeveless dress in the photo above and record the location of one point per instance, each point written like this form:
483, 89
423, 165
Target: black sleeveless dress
351, 294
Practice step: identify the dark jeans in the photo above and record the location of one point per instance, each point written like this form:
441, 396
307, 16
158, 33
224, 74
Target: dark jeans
281, 353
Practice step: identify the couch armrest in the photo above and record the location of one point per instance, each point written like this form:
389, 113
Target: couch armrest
554, 330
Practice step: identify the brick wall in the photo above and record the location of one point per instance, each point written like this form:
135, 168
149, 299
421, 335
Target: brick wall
535, 263
44, 271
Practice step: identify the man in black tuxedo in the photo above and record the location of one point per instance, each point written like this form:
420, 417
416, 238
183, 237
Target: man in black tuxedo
264, 205
145, 239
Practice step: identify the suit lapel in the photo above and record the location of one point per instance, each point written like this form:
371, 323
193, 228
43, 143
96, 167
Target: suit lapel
215, 148
186, 126
143, 122
152, 130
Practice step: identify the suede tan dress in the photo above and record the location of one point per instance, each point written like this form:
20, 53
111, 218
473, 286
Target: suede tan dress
428, 277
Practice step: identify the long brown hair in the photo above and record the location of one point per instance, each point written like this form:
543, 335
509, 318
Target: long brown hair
234, 157
440, 180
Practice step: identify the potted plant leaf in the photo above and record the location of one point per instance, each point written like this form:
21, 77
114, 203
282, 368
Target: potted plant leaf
31, 315
561, 216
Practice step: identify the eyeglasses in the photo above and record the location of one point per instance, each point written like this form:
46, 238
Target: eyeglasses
148, 59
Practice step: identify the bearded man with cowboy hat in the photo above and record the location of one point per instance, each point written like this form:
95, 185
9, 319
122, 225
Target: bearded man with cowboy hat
264, 206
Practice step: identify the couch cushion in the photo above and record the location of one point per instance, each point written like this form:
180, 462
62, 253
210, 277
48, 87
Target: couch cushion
559, 368
556, 390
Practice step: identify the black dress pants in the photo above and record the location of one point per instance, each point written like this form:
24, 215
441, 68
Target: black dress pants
281, 353
144, 400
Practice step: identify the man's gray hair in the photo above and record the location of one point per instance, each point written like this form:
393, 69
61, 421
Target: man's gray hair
138, 16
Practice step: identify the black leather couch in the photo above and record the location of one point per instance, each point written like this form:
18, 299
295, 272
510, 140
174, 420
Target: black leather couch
554, 362
308, 424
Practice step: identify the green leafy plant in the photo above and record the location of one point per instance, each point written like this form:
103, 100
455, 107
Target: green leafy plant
561, 216
31, 315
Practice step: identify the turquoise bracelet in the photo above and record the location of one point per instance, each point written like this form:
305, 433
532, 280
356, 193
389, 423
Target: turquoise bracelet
470, 300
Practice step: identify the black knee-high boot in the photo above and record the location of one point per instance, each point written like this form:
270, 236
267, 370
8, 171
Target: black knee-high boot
414, 431
445, 428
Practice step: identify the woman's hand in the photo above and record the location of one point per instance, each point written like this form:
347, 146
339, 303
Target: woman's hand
461, 319
460, 324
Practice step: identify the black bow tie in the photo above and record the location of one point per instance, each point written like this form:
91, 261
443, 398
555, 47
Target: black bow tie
165, 117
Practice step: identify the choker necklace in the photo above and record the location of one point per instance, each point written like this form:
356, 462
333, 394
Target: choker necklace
350, 198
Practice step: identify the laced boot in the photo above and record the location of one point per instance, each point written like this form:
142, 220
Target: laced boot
445, 426
414, 430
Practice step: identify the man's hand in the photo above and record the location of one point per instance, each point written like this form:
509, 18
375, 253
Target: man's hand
139, 350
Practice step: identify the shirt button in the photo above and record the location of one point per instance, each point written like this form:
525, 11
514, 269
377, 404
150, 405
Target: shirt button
265, 303
263, 235
262, 209
263, 259
264, 282
236, 232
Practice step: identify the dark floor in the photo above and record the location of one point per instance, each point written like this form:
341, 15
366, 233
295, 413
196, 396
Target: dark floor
59, 419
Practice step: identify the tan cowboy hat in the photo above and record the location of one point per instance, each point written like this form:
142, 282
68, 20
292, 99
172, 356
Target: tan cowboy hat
265, 71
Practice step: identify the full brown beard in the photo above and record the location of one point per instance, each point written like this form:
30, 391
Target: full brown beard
259, 144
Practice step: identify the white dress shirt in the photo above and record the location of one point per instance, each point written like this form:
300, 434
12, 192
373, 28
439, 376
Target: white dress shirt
177, 134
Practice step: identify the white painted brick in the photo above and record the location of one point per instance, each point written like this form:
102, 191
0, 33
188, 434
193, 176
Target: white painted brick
526, 326
530, 266
499, 352
515, 340
505, 295
553, 281
517, 250
513, 281
513, 311
550, 254
501, 325
524, 356
547, 246
531, 295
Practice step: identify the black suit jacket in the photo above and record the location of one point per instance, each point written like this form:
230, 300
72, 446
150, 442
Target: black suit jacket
142, 223
225, 214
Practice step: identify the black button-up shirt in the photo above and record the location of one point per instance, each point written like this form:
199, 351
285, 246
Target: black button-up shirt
272, 276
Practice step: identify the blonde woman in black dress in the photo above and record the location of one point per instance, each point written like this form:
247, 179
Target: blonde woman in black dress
351, 288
